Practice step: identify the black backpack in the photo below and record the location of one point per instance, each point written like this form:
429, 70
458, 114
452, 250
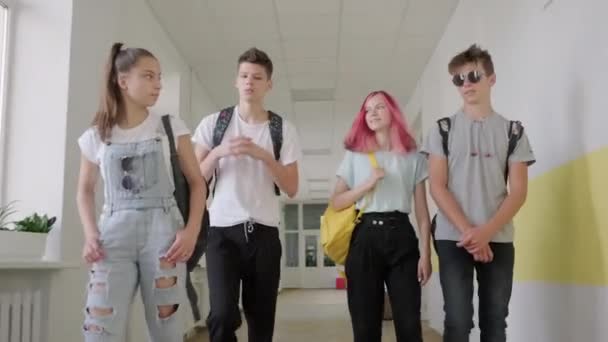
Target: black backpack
182, 197
516, 131
276, 135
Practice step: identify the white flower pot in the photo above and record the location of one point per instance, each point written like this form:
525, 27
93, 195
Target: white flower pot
22, 245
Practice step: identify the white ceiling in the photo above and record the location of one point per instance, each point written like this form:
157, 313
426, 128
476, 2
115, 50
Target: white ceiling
331, 53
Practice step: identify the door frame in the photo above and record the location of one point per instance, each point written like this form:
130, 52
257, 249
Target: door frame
301, 276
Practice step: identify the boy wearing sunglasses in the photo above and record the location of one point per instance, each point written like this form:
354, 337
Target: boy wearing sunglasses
473, 156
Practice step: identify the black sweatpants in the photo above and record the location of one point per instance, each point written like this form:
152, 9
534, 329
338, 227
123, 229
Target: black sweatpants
384, 250
249, 254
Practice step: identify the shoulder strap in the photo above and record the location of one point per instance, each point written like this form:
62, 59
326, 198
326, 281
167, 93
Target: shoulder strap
368, 196
276, 135
169, 131
373, 160
516, 131
221, 125
445, 124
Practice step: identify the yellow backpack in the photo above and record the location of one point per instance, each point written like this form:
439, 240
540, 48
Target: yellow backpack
337, 226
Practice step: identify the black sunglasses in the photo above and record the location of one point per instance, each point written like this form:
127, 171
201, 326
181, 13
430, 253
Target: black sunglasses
126, 164
473, 77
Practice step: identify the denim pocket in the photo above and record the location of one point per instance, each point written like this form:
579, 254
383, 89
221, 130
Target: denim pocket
149, 164
102, 223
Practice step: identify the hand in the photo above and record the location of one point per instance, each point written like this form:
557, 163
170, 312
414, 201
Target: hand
425, 269
183, 246
377, 175
485, 256
474, 240
244, 146
92, 251
223, 150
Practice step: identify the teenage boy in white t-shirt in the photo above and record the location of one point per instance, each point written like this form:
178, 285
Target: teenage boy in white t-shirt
252, 153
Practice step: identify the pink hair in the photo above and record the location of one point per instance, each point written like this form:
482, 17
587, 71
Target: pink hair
361, 138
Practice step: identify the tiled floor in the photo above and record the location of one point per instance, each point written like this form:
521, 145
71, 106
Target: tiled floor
318, 316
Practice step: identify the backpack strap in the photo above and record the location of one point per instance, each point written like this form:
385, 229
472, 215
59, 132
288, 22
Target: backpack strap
181, 190
445, 124
221, 125
169, 131
516, 131
276, 135
444, 129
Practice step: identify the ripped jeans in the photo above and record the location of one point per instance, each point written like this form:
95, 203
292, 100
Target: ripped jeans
134, 243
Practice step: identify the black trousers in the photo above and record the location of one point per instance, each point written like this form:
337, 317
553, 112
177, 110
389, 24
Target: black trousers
384, 250
249, 254
495, 282
199, 249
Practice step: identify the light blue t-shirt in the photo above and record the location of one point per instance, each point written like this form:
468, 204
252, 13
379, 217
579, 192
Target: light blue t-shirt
395, 192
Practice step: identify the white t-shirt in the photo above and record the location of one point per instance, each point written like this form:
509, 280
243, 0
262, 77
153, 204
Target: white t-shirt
245, 187
93, 148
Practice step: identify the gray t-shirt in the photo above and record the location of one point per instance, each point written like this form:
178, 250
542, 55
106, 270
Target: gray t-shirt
402, 172
476, 169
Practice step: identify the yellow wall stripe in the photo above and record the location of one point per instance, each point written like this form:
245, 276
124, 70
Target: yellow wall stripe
561, 233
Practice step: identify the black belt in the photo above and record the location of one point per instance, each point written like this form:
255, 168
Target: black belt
384, 218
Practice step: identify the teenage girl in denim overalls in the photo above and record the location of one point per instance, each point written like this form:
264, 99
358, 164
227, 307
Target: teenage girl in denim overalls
140, 238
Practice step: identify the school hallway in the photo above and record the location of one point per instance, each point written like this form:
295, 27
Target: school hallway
316, 315
327, 56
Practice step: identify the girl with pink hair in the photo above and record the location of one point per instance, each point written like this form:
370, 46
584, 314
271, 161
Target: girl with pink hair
384, 250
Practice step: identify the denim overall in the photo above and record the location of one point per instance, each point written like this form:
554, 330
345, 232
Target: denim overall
137, 227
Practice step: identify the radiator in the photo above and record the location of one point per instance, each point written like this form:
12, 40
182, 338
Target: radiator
20, 316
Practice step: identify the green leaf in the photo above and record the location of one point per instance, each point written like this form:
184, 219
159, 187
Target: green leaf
35, 224
5, 212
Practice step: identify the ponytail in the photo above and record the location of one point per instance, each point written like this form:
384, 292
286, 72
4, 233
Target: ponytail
111, 98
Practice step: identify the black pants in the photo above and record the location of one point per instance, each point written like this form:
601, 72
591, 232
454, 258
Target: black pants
495, 280
199, 249
384, 250
251, 254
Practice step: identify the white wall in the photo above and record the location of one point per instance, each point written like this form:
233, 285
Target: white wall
59, 49
551, 66
200, 103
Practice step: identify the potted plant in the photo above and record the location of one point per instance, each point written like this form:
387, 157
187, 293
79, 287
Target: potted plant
35, 224
23, 239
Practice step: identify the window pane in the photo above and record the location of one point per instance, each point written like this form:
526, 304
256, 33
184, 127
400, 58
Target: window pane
291, 217
292, 249
312, 215
3, 11
311, 251
3, 54
327, 262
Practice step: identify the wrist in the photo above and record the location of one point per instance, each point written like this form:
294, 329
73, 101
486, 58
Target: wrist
192, 228
267, 158
490, 230
371, 183
465, 228
425, 253
214, 154
91, 233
